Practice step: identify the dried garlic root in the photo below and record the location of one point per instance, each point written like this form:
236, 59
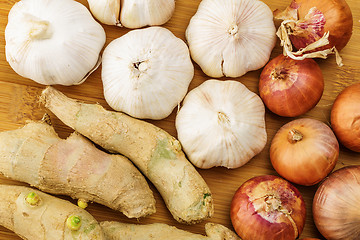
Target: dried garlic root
75, 167
156, 153
53, 42
221, 123
34, 215
160, 231
230, 38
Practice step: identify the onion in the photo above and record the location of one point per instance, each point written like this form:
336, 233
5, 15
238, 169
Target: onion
290, 87
308, 21
336, 205
266, 208
304, 151
345, 117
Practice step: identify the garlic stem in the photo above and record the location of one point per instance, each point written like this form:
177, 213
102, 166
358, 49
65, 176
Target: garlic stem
139, 68
223, 118
39, 29
295, 136
234, 29
143, 66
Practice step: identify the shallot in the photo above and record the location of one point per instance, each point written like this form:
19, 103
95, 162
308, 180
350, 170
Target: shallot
336, 205
345, 117
268, 208
304, 151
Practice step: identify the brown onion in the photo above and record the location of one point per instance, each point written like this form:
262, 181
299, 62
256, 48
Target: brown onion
290, 87
304, 151
337, 20
309, 21
345, 117
336, 205
267, 208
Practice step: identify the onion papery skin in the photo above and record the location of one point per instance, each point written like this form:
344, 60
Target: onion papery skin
251, 218
338, 21
345, 117
306, 160
336, 205
291, 87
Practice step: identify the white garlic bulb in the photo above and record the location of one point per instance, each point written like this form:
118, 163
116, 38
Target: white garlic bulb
140, 13
53, 41
230, 38
221, 123
133, 13
146, 72
106, 11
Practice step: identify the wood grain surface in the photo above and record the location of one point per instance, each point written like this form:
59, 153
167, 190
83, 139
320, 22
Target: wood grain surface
19, 103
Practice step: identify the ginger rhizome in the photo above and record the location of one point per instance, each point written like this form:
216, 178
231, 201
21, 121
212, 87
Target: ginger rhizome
47, 218
155, 152
75, 167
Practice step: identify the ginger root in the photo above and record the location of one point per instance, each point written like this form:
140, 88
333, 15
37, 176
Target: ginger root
46, 218
156, 153
75, 167
159, 231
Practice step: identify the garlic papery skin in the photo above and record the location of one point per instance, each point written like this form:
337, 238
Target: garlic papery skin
106, 11
230, 38
146, 72
53, 42
221, 123
140, 13
133, 13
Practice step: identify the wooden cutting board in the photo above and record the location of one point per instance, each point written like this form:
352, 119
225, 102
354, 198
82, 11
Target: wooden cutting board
18, 104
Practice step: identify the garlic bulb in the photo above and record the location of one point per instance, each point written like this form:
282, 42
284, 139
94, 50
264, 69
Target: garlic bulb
140, 13
146, 72
106, 11
230, 38
133, 13
221, 123
53, 42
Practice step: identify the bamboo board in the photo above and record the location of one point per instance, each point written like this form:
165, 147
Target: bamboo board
18, 104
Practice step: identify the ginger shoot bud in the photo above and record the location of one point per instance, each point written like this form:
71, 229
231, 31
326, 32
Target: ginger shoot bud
82, 203
73, 223
32, 198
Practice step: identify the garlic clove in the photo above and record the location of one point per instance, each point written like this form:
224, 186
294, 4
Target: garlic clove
230, 38
53, 42
140, 13
106, 11
221, 123
146, 72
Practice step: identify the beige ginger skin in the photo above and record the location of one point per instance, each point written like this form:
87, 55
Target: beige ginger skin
155, 152
75, 167
160, 231
45, 220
